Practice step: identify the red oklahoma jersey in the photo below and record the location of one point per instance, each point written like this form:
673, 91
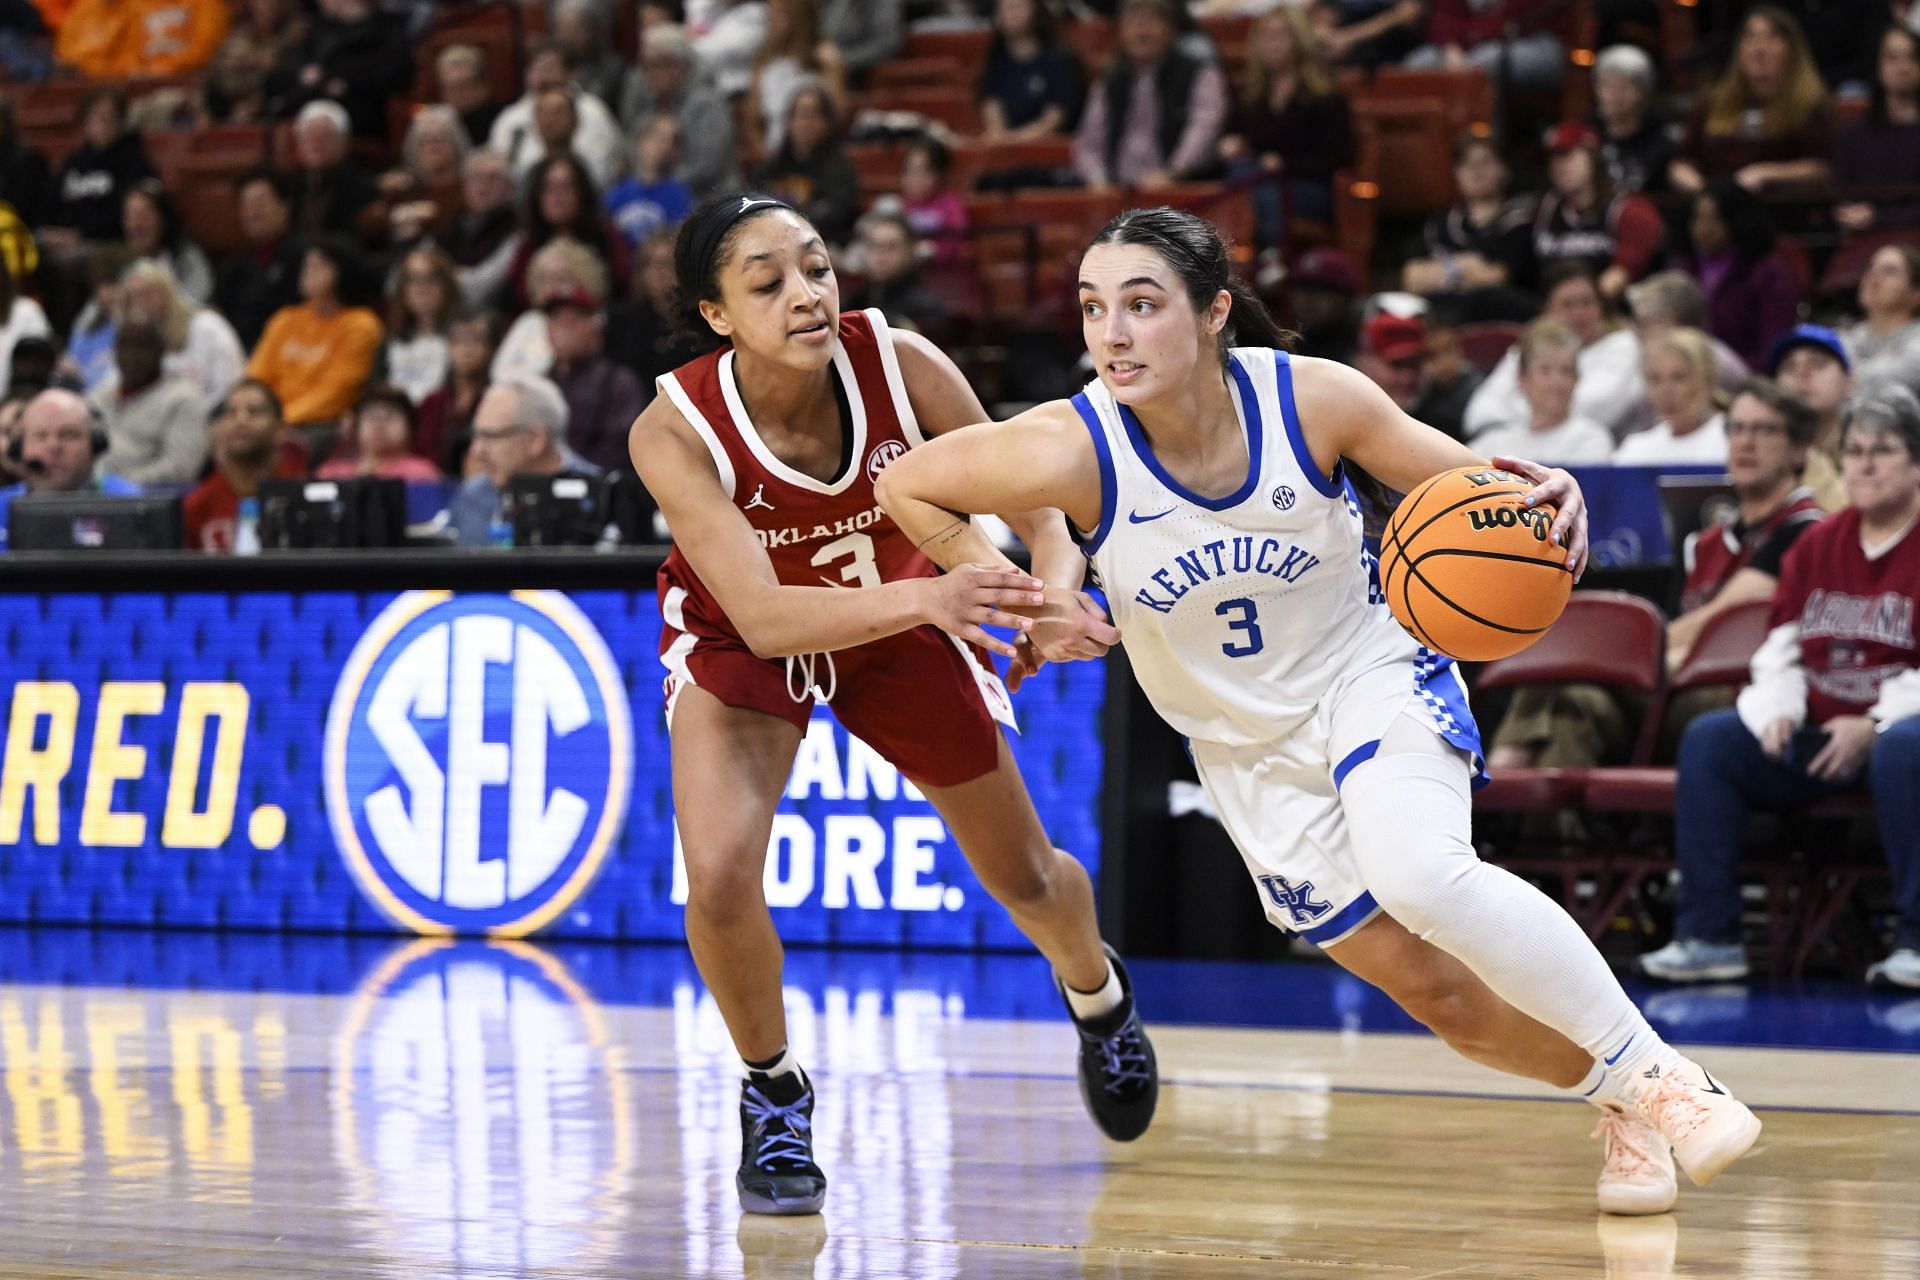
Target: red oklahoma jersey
815, 531
921, 698
1855, 615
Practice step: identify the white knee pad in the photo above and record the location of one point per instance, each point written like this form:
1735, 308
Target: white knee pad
1409, 816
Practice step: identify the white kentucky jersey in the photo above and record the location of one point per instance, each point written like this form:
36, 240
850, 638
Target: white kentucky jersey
1241, 614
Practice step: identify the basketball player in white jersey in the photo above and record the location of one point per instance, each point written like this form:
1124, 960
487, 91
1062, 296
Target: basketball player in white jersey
1208, 483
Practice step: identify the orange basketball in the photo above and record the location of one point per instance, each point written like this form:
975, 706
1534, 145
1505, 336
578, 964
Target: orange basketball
1469, 569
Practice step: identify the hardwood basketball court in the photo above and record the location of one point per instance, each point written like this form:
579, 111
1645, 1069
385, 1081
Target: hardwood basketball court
288, 1108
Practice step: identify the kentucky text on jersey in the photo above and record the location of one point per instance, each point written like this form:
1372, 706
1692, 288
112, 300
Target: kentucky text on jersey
795, 534
1220, 557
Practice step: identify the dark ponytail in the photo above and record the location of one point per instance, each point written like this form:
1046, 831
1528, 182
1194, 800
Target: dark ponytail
1198, 254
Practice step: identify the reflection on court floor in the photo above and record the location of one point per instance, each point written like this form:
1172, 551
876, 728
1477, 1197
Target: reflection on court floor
330, 1107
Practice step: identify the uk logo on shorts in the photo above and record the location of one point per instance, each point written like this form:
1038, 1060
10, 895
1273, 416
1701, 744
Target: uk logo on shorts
478, 758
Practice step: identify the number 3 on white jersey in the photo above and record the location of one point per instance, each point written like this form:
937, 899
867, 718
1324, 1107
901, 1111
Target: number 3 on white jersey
860, 569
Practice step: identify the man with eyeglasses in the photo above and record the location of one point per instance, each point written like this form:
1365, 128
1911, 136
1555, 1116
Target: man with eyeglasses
1834, 705
519, 428
1769, 430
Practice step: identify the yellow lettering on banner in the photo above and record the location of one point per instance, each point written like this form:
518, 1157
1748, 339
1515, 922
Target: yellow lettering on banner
114, 761
24, 767
185, 827
189, 1032
46, 1111
120, 1086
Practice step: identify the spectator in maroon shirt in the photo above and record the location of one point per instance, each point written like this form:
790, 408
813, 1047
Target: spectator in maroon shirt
445, 425
1884, 148
1834, 705
1766, 121
1289, 123
603, 398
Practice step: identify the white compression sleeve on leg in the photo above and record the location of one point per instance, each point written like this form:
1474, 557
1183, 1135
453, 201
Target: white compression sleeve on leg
1409, 815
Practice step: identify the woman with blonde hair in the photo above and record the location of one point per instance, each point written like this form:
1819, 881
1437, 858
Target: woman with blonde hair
1288, 122
1684, 393
560, 264
1766, 122
201, 346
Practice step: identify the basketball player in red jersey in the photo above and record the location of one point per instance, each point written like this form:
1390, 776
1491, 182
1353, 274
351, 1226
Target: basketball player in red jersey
763, 455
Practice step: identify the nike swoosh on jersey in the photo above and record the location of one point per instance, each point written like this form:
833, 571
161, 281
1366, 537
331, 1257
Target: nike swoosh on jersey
1134, 517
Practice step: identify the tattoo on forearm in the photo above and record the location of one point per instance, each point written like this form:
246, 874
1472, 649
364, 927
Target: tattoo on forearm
947, 533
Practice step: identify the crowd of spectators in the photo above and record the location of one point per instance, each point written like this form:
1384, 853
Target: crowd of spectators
434, 281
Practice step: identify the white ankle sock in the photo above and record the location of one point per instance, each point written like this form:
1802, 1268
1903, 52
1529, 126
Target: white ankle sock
1640, 1050
783, 1064
1091, 1004
1600, 1088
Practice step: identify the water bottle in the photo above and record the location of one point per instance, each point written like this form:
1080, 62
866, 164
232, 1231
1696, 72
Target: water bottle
246, 528
500, 532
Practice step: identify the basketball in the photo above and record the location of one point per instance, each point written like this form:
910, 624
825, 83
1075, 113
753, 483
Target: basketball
1469, 569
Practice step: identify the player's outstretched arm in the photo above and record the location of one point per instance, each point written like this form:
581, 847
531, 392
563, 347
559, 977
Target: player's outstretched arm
777, 620
944, 401
1345, 414
1042, 458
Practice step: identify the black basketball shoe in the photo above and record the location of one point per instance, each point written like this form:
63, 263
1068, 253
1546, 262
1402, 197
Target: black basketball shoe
777, 1172
1119, 1078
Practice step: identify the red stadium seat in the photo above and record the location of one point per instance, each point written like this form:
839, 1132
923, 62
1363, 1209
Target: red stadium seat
974, 159
1404, 146
1608, 638
966, 49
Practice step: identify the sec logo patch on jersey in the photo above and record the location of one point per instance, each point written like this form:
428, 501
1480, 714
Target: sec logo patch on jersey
883, 454
478, 755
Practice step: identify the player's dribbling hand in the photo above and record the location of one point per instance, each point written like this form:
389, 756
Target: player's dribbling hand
1555, 486
971, 597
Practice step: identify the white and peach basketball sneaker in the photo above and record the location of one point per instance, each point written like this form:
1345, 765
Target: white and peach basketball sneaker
1707, 1126
1637, 1177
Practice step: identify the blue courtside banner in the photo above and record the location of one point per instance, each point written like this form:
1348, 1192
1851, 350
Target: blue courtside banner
431, 762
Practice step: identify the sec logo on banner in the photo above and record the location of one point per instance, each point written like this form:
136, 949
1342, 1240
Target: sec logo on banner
479, 750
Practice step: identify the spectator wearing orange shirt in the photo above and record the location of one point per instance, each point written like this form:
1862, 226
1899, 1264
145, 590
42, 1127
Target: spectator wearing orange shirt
119, 39
316, 355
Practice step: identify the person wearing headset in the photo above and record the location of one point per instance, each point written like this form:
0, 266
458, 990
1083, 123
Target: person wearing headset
60, 439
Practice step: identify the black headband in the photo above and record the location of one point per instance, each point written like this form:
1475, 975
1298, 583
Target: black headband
705, 236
